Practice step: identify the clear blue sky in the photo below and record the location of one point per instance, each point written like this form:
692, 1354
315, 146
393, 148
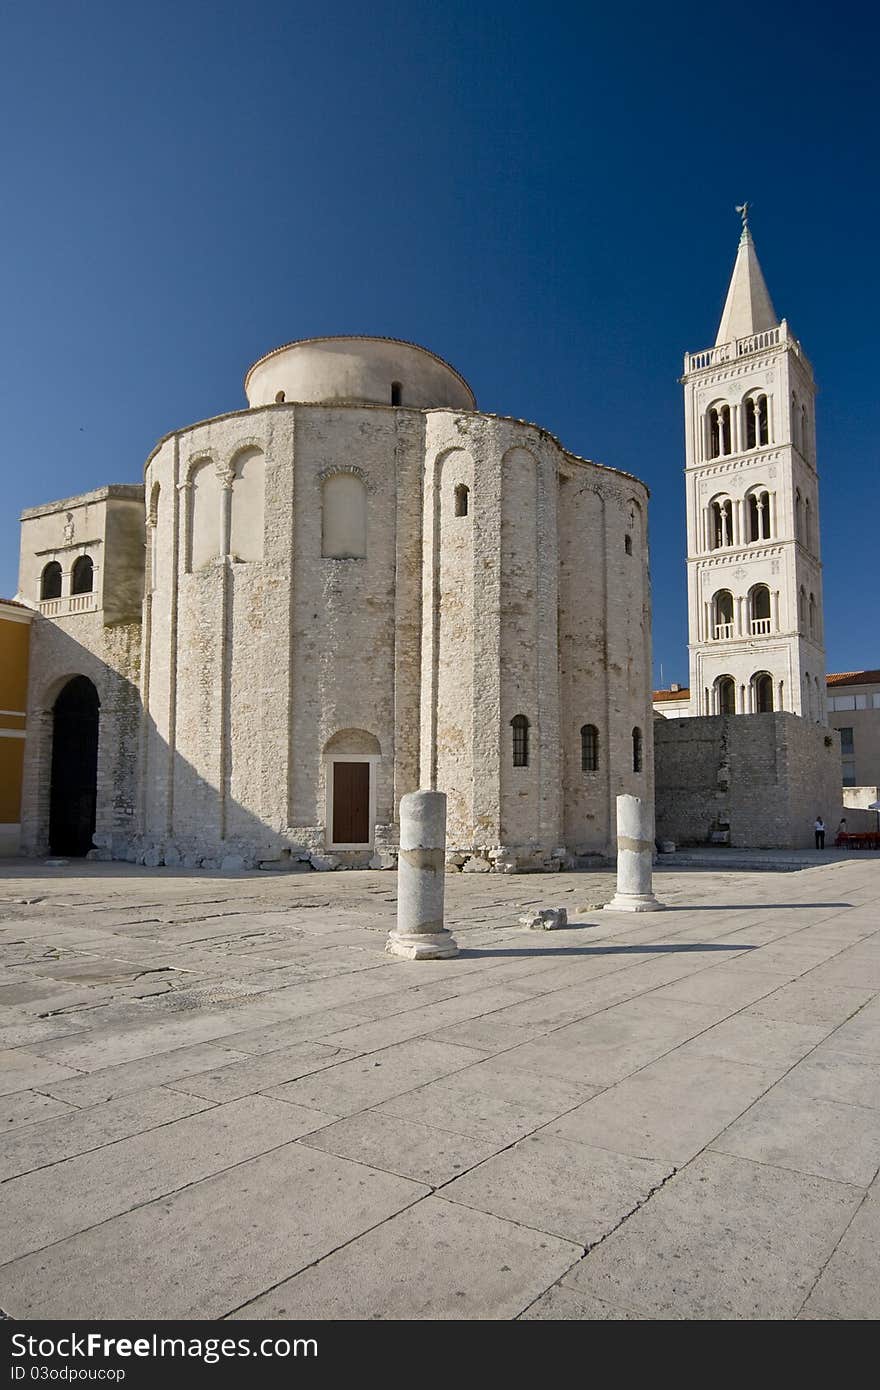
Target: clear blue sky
542, 193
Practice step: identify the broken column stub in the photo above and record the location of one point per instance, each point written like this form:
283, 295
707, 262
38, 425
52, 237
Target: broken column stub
421, 867
635, 854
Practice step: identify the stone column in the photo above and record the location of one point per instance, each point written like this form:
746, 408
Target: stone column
421, 870
635, 853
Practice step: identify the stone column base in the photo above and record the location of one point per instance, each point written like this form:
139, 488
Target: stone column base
634, 902
422, 945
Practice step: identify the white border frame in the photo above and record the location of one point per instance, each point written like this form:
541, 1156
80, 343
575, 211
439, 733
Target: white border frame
329, 760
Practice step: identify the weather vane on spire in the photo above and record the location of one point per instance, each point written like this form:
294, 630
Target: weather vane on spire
743, 209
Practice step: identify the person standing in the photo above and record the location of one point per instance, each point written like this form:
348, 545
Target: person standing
819, 828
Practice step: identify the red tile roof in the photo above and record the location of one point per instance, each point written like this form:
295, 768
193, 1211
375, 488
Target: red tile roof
682, 694
854, 678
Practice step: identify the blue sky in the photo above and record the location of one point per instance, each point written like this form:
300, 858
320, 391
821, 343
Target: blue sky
541, 193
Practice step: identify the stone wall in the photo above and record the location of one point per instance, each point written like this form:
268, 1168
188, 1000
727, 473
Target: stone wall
764, 776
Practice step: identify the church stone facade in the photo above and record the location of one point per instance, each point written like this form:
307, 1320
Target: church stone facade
358, 586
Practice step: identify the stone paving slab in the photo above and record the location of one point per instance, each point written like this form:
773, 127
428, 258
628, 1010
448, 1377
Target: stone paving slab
490, 1269
364, 1082
725, 1238
210, 1248
848, 1286
406, 1147
670, 1110
561, 1305
27, 1108
79, 1131
47, 1205
91, 1088
567, 1189
824, 1138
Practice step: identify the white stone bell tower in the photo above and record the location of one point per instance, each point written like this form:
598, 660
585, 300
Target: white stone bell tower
754, 576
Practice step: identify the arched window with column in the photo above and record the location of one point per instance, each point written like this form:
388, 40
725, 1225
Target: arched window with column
802, 609
804, 432
718, 436
759, 610
762, 693
808, 525
722, 615
720, 523
589, 748
812, 615
798, 516
758, 504
50, 580
756, 420
725, 695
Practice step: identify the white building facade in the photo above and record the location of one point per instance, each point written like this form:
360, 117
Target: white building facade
754, 574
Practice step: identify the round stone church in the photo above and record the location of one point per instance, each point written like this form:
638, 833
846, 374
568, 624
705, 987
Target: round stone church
358, 586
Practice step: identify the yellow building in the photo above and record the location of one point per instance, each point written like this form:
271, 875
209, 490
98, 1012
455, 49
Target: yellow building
15, 631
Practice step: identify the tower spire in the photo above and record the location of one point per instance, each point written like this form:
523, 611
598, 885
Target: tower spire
748, 308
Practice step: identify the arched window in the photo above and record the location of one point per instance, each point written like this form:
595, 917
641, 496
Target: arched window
812, 615
204, 515
762, 687
750, 432
628, 544
50, 581
279, 397
759, 515
82, 579
396, 393
722, 607
759, 610
804, 436
520, 726
461, 500
589, 748
637, 749
802, 609
344, 517
246, 519
795, 419
725, 695
808, 524
798, 516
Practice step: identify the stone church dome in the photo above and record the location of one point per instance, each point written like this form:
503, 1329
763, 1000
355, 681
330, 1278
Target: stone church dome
357, 371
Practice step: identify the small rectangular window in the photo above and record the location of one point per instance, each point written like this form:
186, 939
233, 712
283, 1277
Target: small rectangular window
845, 702
846, 741
861, 702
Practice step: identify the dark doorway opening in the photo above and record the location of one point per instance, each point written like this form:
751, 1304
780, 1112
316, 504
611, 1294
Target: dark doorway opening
351, 803
74, 783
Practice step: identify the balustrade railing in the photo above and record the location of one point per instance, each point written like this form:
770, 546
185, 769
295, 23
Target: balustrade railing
723, 631
760, 627
741, 347
72, 603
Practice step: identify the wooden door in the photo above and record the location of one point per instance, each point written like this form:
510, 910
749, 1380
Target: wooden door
351, 803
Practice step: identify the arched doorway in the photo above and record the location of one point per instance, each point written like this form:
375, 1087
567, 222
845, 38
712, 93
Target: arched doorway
74, 781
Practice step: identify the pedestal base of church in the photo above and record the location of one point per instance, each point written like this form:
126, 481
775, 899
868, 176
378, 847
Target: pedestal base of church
634, 902
422, 945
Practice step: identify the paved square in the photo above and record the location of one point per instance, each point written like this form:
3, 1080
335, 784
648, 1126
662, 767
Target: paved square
219, 1098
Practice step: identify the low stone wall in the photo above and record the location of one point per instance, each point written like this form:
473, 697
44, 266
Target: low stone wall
755, 781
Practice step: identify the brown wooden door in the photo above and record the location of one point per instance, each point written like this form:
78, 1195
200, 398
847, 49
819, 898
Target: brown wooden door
351, 803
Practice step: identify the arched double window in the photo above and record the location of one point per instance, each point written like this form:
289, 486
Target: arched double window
50, 580
520, 726
82, 577
759, 610
722, 614
638, 758
718, 439
589, 748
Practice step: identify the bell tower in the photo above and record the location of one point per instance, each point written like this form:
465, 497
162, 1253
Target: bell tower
755, 626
